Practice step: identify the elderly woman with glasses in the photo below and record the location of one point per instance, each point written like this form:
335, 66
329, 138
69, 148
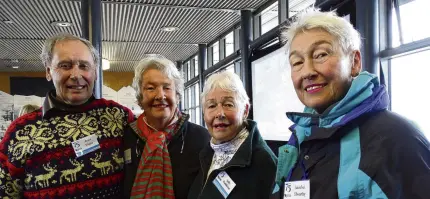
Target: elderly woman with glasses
161, 146
345, 144
237, 163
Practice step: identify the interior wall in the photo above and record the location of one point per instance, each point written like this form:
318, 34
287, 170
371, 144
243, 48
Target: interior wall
114, 80
117, 80
5, 78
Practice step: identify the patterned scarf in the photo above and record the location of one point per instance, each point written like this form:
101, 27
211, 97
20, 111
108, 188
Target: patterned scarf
154, 177
224, 152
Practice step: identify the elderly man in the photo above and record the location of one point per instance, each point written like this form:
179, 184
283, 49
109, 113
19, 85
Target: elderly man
69, 148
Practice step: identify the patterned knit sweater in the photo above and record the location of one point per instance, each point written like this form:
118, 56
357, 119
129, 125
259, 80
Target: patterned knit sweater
37, 159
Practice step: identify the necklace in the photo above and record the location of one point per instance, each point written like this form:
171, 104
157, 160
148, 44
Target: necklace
146, 122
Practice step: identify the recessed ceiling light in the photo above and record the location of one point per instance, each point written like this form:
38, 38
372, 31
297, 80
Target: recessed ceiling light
15, 67
105, 64
169, 28
61, 24
7, 21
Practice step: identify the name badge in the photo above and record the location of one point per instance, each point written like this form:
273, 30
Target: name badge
224, 183
297, 190
85, 145
127, 156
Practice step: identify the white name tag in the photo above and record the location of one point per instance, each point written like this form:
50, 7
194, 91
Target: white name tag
224, 183
85, 145
297, 190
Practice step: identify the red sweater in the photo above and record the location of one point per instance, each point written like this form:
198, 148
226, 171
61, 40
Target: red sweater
38, 161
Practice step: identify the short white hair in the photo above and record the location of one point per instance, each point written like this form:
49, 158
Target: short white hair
312, 18
226, 81
162, 64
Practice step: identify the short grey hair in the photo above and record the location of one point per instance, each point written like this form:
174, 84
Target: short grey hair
226, 81
48, 48
312, 18
162, 64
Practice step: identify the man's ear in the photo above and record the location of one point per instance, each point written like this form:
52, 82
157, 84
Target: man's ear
48, 74
356, 63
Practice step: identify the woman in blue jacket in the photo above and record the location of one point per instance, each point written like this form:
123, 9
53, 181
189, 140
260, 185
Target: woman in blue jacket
345, 144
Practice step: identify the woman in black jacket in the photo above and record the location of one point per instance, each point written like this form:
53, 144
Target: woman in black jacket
161, 147
237, 163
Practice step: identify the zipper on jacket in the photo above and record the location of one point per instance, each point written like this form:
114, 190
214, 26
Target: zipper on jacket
204, 182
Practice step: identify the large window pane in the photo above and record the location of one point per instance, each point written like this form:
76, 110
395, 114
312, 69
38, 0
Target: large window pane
185, 102
193, 115
269, 18
182, 102
198, 114
189, 98
191, 112
411, 15
297, 6
194, 95
192, 68
230, 68
229, 44
215, 53
223, 68
188, 71
197, 91
273, 95
185, 70
196, 66
408, 94
237, 68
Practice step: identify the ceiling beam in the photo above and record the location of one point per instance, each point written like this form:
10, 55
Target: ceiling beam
176, 6
146, 42
18, 61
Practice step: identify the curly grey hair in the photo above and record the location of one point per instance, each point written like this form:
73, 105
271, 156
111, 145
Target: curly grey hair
48, 47
162, 64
